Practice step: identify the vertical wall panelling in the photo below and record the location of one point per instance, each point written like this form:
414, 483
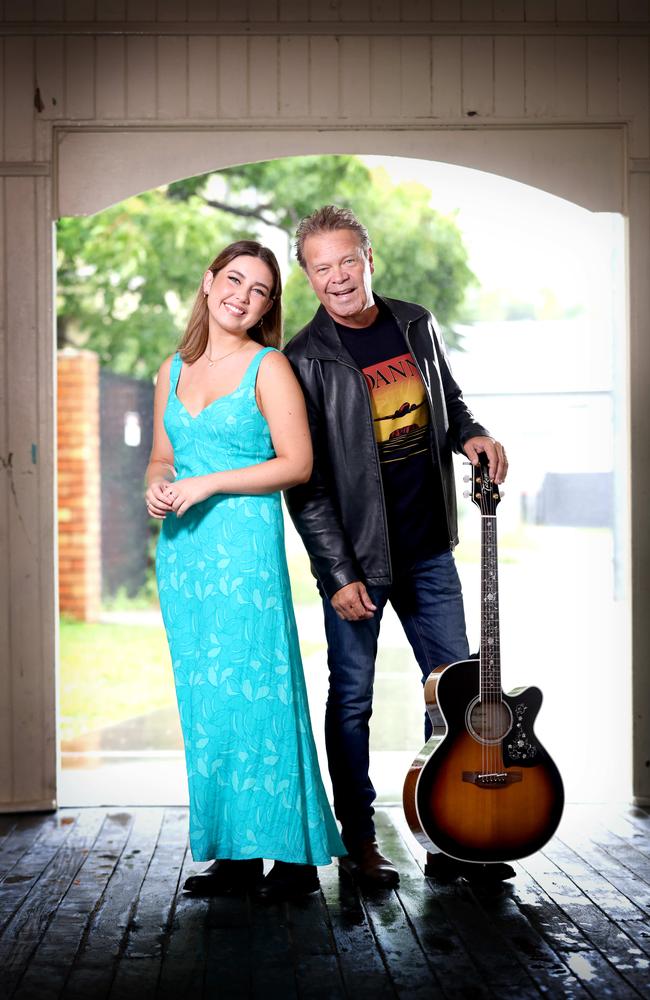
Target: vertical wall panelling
262, 10
539, 62
602, 77
80, 10
44, 467
415, 10
602, 10
202, 84
49, 10
540, 10
355, 77
141, 76
49, 75
477, 10
19, 98
110, 10
202, 10
323, 10
508, 10
27, 491
639, 249
571, 75
324, 58
634, 10
6, 680
478, 76
141, 10
384, 10
416, 77
263, 77
508, 76
356, 10
3, 99
571, 10
634, 91
294, 70
229, 11
385, 73
446, 73
19, 10
292, 10
172, 76
446, 10
110, 97
232, 66
79, 77
173, 10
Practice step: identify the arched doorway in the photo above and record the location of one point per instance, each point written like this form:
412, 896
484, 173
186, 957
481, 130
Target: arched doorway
594, 190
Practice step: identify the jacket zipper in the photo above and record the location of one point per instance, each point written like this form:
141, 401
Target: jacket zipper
434, 437
378, 464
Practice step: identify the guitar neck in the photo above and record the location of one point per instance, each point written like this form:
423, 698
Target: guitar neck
490, 672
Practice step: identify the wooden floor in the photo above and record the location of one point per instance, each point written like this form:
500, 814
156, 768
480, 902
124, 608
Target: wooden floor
90, 907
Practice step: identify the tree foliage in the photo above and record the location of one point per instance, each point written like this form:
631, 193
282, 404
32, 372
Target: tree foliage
128, 275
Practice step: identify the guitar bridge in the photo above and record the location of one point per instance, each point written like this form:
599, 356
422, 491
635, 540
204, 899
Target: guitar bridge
491, 779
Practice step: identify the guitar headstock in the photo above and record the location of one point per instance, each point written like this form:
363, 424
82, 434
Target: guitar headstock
484, 493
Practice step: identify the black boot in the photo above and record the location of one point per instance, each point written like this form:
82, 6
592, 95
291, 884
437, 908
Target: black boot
441, 868
226, 876
287, 881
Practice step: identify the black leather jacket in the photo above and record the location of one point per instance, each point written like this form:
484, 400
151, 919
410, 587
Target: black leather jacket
340, 512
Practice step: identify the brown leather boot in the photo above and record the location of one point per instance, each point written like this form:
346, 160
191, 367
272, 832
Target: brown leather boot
368, 866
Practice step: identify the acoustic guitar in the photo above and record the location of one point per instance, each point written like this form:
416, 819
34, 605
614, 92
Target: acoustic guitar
483, 788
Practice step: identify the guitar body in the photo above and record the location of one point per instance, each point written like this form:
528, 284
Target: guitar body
487, 790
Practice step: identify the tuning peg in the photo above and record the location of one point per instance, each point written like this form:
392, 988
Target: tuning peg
467, 479
502, 493
466, 493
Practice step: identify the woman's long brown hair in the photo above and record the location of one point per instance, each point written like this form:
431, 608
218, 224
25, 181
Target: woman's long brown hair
268, 332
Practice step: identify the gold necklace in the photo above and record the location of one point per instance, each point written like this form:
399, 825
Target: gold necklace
213, 361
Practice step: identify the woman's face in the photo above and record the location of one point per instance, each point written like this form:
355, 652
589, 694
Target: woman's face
239, 294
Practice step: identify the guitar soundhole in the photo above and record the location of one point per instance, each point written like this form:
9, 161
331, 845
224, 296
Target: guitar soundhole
488, 721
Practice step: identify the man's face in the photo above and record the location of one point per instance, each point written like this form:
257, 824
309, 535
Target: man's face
340, 274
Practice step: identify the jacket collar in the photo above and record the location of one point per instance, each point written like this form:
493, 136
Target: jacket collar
324, 341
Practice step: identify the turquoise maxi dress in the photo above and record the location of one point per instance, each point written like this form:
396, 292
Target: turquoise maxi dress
254, 783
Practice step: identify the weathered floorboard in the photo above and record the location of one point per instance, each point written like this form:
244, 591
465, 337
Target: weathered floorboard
92, 906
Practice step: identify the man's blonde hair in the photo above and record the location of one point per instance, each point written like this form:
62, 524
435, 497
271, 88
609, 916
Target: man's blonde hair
326, 220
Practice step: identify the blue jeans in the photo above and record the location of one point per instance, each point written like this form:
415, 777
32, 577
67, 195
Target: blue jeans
429, 603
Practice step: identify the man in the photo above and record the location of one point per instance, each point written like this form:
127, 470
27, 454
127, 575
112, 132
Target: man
378, 516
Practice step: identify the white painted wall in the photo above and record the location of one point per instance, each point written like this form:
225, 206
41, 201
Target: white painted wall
132, 93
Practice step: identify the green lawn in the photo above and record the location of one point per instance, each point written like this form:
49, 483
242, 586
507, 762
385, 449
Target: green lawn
110, 673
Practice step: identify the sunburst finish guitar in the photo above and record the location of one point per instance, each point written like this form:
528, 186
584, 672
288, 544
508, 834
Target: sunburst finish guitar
483, 788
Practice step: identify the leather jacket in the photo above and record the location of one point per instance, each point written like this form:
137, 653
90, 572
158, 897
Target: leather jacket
340, 511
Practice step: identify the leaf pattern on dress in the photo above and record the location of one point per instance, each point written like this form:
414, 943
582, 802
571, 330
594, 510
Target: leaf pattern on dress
255, 787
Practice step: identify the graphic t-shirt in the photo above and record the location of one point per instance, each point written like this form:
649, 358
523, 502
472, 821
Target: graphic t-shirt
417, 526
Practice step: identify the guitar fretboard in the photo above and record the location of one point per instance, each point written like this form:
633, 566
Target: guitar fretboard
490, 670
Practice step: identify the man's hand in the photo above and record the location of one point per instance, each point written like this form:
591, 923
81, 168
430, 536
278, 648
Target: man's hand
352, 603
495, 454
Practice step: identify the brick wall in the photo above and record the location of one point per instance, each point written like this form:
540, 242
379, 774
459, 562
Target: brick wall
79, 512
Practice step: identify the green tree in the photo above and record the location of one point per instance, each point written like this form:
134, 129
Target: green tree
127, 276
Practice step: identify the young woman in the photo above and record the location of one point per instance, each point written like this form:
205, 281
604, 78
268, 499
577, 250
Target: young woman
231, 432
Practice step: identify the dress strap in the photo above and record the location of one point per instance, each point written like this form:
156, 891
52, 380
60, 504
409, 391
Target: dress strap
174, 373
253, 368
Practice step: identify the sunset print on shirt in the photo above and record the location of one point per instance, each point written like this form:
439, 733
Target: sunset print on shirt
399, 408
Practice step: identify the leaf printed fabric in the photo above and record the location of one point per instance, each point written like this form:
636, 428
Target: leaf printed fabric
254, 782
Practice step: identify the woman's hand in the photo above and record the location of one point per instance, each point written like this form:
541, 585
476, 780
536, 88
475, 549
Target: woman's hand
184, 493
158, 504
